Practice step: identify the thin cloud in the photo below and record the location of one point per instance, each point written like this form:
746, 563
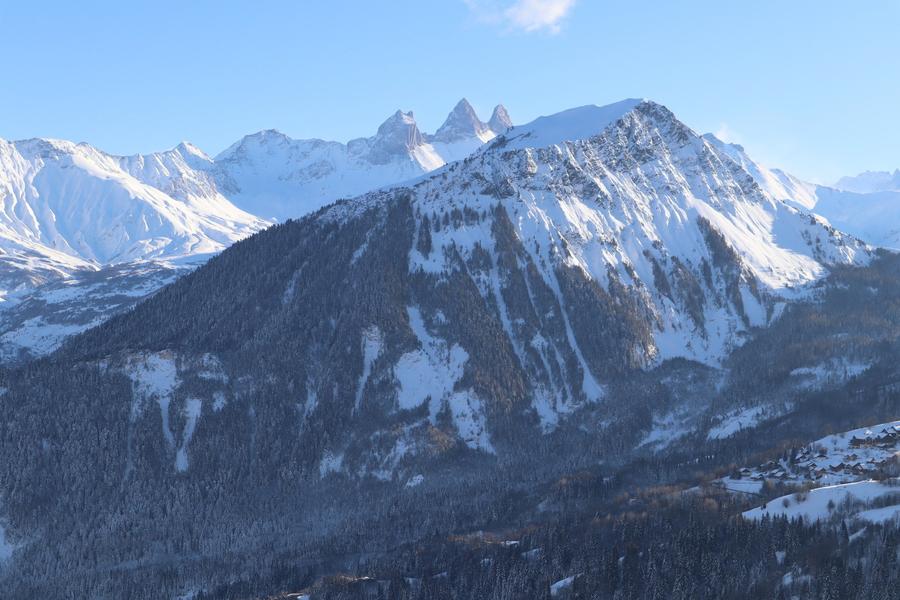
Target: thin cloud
728, 135
523, 15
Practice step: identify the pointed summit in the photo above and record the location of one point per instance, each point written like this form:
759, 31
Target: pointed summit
462, 122
500, 121
266, 139
187, 149
396, 136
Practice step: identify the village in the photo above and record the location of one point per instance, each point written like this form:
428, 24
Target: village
865, 453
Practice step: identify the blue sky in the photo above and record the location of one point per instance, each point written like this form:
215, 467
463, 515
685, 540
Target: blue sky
812, 86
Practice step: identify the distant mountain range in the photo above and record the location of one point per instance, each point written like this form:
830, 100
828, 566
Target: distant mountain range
870, 181
272, 175
68, 206
69, 210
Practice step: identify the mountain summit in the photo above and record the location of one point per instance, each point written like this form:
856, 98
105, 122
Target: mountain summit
399, 134
68, 210
460, 124
500, 121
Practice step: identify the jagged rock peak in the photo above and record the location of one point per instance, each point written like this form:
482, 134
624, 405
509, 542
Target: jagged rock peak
461, 122
500, 121
187, 149
400, 131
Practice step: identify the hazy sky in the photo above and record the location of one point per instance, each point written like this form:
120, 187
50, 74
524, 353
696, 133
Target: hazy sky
812, 86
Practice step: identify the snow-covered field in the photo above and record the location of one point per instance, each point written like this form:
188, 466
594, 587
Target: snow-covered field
736, 421
842, 499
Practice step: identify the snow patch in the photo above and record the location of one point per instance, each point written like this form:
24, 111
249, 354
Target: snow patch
330, 463
431, 372
666, 429
832, 372
372, 344
219, 401
563, 585
736, 421
192, 412
6, 548
154, 376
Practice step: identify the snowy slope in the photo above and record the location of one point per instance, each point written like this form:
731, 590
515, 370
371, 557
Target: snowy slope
872, 501
274, 176
873, 217
38, 320
66, 206
777, 183
867, 206
71, 215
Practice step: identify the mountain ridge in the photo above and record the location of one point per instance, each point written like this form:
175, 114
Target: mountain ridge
68, 209
314, 172
870, 215
870, 181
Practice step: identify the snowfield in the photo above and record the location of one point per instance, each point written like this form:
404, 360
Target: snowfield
822, 503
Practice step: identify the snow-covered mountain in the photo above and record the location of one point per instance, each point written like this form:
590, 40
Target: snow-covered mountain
563, 256
272, 175
634, 200
870, 181
867, 207
67, 207
71, 214
68, 210
37, 321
